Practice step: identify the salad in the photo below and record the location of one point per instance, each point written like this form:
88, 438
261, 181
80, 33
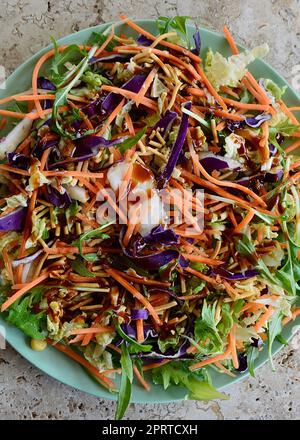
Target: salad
149, 211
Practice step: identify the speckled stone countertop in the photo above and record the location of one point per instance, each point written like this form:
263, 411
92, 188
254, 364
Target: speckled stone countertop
25, 26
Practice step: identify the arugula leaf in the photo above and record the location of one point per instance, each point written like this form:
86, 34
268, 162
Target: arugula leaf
79, 267
274, 329
98, 39
252, 355
126, 381
20, 315
245, 246
177, 373
226, 323
177, 23
132, 141
206, 331
71, 54
135, 347
61, 94
170, 342
94, 233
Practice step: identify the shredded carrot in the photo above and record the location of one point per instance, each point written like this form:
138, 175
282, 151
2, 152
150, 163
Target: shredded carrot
226, 371
105, 43
131, 95
230, 40
212, 360
245, 106
140, 330
201, 275
211, 89
82, 174
140, 378
148, 81
202, 259
129, 124
264, 318
173, 46
155, 365
285, 109
107, 383
292, 147
24, 290
232, 345
114, 274
91, 330
111, 117
246, 220
287, 319
196, 92
264, 142
231, 185
140, 280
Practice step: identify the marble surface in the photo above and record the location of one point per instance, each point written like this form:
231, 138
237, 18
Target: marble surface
25, 26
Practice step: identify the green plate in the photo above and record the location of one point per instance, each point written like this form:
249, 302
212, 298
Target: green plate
57, 364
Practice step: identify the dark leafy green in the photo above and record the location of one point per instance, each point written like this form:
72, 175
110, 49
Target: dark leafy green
177, 373
126, 381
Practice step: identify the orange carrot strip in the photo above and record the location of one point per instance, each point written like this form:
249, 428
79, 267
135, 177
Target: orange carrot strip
226, 371
245, 106
212, 360
14, 170
232, 346
246, 220
106, 42
230, 40
114, 274
140, 378
264, 318
22, 98
264, 142
91, 330
147, 83
230, 185
155, 365
140, 280
227, 115
16, 115
107, 383
111, 117
202, 259
173, 46
130, 95
288, 112
295, 313
88, 175
201, 275
222, 192
292, 147
140, 330
211, 89
24, 290
196, 92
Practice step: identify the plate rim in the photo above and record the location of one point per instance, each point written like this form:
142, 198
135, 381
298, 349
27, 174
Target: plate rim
112, 396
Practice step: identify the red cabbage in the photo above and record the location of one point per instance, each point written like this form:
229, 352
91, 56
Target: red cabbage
227, 275
256, 121
176, 149
18, 160
58, 199
143, 41
13, 221
112, 99
165, 123
213, 162
162, 236
139, 314
113, 58
197, 40
152, 261
45, 84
